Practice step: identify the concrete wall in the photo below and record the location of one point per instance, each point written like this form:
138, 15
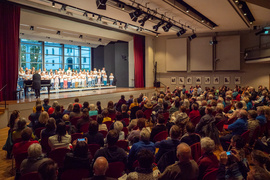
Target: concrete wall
250, 74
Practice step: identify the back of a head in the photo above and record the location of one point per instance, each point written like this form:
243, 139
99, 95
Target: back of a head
61, 129
119, 116
258, 173
55, 103
161, 119
100, 166
209, 110
124, 107
165, 105
122, 97
243, 114
145, 135
93, 127
183, 152
239, 105
195, 106
112, 137
76, 108
51, 124
118, 126
207, 144
139, 114
39, 108
85, 104
182, 109
57, 109
175, 132
76, 100
21, 124
190, 127
141, 123
48, 170
26, 134
105, 113
81, 149
252, 114
38, 102
99, 119
34, 151
145, 158
43, 117
46, 101
92, 107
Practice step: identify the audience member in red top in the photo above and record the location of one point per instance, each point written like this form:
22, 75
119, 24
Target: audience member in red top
51, 109
120, 102
208, 161
195, 112
22, 147
76, 101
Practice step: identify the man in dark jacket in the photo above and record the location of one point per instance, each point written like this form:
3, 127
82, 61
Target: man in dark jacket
36, 84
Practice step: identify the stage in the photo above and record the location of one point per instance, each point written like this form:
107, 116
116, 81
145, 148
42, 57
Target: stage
104, 95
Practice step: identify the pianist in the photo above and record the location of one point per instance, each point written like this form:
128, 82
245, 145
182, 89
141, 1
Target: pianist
37, 84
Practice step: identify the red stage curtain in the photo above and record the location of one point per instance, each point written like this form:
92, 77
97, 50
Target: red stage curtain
9, 48
139, 60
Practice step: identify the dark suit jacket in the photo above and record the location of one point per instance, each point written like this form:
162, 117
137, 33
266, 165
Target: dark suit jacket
36, 81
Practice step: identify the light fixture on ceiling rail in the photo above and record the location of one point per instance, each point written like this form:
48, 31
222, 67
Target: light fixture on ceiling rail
156, 34
32, 28
85, 14
99, 18
181, 32
81, 36
135, 14
64, 7
193, 36
101, 4
122, 6
115, 23
167, 27
144, 19
53, 4
58, 32
160, 23
243, 11
126, 26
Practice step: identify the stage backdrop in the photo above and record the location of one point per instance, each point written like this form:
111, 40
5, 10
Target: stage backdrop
114, 57
9, 48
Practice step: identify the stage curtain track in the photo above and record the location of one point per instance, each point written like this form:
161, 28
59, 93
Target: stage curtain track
139, 60
9, 47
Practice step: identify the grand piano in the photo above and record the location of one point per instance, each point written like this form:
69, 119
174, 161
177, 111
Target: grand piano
44, 83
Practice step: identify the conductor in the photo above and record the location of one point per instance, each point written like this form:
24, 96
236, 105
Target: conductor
36, 84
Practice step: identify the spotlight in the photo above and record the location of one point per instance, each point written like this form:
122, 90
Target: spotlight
58, 32
181, 32
32, 28
115, 23
193, 36
99, 18
134, 15
155, 27
167, 27
213, 42
156, 34
81, 36
93, 15
126, 26
122, 6
53, 4
245, 14
187, 10
101, 4
64, 7
202, 20
260, 32
142, 21
99, 39
85, 14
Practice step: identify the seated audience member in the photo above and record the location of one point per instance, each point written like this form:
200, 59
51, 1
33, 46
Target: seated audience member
42, 120
129, 101
93, 136
76, 101
38, 102
21, 125
160, 126
26, 142
49, 129
101, 127
147, 106
120, 102
144, 143
84, 119
195, 112
86, 106
46, 105
236, 112
253, 123
69, 109
110, 108
51, 109
258, 173
48, 170
93, 111
118, 118
175, 107
112, 152
34, 159
205, 120
140, 98
99, 108
66, 120
145, 169
76, 112
202, 108
134, 136
80, 158
184, 169
167, 100
133, 122
237, 128
154, 99
100, 167
214, 105
186, 104
261, 117
180, 115
259, 158
105, 114
134, 103
61, 139
208, 161
169, 144
190, 137
34, 116
57, 115
219, 113
159, 106
248, 103
118, 126
124, 109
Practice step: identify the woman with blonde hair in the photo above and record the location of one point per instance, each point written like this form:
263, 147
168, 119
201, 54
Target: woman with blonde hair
135, 103
51, 109
42, 120
69, 109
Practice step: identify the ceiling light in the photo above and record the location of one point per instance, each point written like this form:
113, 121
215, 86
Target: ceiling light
134, 15
126, 26
142, 21
115, 23
167, 27
53, 4
158, 25
245, 14
187, 10
99, 18
251, 22
156, 34
236, 1
58, 32
181, 32
81, 36
32, 28
193, 36
202, 20
85, 14
101, 4
64, 7
99, 39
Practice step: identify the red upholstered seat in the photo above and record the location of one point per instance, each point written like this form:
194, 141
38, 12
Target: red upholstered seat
112, 116
30, 176
125, 129
104, 133
115, 169
75, 136
161, 136
122, 144
212, 175
231, 120
94, 117
196, 151
74, 120
245, 136
220, 125
147, 113
108, 124
227, 108
75, 174
166, 116
93, 148
45, 145
195, 120
126, 120
19, 158
84, 128
37, 132
58, 155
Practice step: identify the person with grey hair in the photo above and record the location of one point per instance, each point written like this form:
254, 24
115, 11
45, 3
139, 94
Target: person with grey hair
185, 168
34, 159
118, 126
208, 161
100, 167
93, 111
144, 143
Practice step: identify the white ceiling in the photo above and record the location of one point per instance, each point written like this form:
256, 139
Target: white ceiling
218, 11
